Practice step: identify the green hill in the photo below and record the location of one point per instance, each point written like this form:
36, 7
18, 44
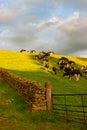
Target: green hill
25, 65
13, 110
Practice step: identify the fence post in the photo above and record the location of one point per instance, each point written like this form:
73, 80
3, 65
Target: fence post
48, 86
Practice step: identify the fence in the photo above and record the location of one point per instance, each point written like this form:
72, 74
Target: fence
36, 96
71, 107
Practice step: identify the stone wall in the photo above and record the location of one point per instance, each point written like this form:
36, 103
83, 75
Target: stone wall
32, 92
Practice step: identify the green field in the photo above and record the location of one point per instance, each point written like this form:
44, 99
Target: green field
14, 113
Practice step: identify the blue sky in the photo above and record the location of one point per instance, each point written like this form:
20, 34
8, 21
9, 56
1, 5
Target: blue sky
48, 25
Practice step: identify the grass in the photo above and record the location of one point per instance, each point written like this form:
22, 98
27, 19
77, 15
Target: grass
14, 113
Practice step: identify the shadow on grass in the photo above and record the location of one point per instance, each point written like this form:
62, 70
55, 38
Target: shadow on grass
39, 76
60, 84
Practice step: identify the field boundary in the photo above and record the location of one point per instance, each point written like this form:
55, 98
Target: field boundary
37, 97
68, 110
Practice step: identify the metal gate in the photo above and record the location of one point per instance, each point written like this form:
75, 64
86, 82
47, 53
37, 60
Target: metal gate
71, 106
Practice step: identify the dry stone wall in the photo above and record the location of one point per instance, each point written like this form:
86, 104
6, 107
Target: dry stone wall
32, 92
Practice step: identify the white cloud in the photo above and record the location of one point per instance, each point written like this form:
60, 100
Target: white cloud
72, 35
6, 15
85, 56
25, 26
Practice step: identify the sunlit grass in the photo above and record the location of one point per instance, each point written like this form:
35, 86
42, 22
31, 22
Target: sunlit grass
78, 60
12, 106
25, 65
17, 61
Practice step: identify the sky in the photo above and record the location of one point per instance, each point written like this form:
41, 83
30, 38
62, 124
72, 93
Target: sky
44, 25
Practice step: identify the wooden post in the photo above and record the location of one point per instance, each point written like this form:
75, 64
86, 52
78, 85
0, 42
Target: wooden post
48, 95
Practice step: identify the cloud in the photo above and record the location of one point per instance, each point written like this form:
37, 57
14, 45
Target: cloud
6, 15
60, 26
75, 4
70, 33
21, 38
72, 36
24, 37
65, 36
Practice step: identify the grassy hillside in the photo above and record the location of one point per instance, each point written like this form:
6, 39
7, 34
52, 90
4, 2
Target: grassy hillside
25, 65
13, 109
